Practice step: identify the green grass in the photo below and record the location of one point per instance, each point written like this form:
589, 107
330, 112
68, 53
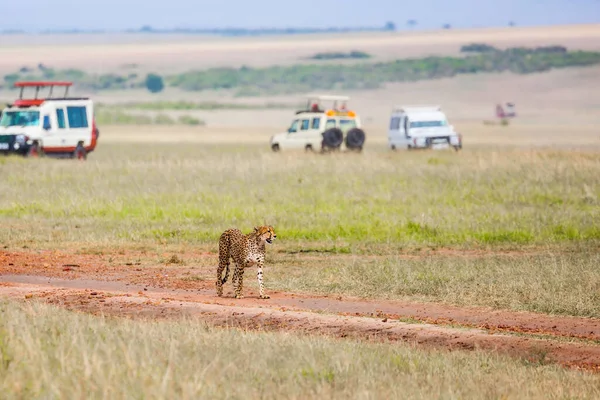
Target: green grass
201, 106
190, 194
143, 113
341, 219
116, 116
551, 282
46, 352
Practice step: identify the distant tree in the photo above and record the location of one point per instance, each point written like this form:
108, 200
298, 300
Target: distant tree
512, 23
447, 26
11, 79
389, 26
477, 48
146, 28
411, 23
154, 83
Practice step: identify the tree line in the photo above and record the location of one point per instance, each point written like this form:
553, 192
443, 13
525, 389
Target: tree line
328, 75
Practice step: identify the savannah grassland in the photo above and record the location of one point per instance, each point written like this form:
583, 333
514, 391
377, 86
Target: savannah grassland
510, 222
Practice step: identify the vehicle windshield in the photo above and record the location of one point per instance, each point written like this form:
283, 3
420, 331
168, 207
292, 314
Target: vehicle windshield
20, 118
347, 124
427, 124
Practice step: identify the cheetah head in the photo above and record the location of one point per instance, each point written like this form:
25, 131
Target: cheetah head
266, 233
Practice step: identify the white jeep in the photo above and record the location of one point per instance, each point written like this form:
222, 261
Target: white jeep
53, 126
316, 128
421, 128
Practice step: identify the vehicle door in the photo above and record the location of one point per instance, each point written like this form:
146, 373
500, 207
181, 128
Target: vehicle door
53, 128
394, 131
405, 131
292, 139
304, 130
79, 121
346, 124
330, 123
315, 134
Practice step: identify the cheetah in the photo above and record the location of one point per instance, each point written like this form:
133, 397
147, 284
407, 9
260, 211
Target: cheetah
246, 250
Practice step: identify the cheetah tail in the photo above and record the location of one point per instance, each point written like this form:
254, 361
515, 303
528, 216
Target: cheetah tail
226, 275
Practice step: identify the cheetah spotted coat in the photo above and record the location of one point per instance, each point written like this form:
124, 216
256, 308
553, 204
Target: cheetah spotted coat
245, 250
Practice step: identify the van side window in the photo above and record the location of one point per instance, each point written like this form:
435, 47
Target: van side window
294, 126
46, 125
77, 117
305, 124
60, 116
316, 123
395, 124
330, 124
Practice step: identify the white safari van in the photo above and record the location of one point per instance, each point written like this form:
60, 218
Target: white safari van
53, 126
317, 128
421, 128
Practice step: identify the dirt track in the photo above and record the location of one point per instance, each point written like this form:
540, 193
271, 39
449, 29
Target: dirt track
87, 283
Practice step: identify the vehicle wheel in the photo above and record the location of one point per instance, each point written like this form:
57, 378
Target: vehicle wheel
80, 153
355, 139
309, 148
393, 147
34, 150
333, 138
456, 148
275, 147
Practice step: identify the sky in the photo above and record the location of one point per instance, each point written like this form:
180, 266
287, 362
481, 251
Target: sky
38, 15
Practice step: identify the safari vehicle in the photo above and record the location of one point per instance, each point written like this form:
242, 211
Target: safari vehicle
421, 128
54, 126
318, 129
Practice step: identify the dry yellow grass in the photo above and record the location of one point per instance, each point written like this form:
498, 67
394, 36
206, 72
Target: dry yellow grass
476, 135
50, 353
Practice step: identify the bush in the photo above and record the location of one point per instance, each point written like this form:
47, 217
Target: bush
154, 83
163, 119
477, 48
337, 56
551, 49
187, 120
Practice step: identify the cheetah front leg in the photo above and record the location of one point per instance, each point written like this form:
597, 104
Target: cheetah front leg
259, 275
238, 280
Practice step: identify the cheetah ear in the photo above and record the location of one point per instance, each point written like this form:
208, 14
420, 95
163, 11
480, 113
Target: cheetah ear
256, 229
